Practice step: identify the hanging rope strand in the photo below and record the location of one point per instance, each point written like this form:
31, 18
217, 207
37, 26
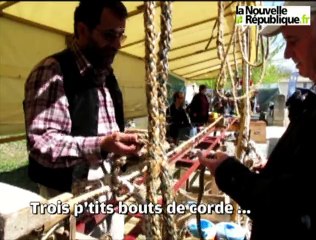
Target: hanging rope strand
232, 76
222, 69
153, 230
221, 51
245, 58
239, 34
224, 57
234, 48
264, 57
164, 47
220, 42
235, 84
252, 89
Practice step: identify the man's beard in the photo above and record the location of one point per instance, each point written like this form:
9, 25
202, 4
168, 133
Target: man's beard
100, 58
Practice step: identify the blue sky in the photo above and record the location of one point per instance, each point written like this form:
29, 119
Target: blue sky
279, 59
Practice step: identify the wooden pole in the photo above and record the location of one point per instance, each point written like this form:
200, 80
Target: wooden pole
245, 113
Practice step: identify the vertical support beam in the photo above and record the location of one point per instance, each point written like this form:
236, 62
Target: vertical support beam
245, 113
253, 40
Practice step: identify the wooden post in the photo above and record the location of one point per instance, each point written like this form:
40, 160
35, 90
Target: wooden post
245, 113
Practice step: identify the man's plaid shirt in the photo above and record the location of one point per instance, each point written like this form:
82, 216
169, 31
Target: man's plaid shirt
47, 117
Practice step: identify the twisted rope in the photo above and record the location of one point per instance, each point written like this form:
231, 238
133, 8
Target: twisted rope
163, 65
244, 122
241, 35
236, 72
153, 230
219, 82
198, 214
164, 47
119, 182
234, 49
245, 118
220, 42
232, 77
220, 54
117, 163
224, 60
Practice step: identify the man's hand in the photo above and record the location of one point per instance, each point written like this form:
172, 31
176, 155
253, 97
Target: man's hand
213, 160
121, 143
259, 167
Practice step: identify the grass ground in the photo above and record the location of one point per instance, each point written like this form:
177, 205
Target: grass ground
13, 165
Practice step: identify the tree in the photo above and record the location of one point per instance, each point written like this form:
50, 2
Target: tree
273, 72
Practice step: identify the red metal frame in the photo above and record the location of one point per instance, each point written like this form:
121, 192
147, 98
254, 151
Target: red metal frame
181, 157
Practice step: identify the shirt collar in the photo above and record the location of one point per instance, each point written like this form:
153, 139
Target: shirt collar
83, 64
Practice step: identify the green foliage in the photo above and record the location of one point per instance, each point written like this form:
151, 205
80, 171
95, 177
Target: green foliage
272, 74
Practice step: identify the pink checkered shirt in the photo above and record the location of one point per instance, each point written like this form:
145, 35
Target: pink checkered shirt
47, 118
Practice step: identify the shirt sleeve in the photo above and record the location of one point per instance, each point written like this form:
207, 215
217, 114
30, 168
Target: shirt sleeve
48, 122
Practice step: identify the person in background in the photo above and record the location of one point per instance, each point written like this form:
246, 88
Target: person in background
178, 119
74, 108
218, 103
199, 107
229, 106
281, 197
255, 108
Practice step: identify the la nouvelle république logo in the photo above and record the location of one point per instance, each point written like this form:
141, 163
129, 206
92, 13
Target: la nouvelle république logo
273, 15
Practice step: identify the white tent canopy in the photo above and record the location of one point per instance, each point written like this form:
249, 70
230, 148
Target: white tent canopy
30, 31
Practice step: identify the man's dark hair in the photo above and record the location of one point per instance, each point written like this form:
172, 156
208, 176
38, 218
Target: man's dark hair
202, 87
89, 12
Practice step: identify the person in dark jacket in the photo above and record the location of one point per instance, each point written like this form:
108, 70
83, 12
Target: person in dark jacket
294, 104
199, 107
74, 108
281, 198
178, 119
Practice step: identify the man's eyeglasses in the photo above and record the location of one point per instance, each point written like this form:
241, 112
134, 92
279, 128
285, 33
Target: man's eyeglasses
111, 35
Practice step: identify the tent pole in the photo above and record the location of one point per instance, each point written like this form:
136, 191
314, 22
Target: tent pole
6, 5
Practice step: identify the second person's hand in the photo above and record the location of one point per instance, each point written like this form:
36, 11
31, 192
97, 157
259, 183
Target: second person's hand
213, 161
